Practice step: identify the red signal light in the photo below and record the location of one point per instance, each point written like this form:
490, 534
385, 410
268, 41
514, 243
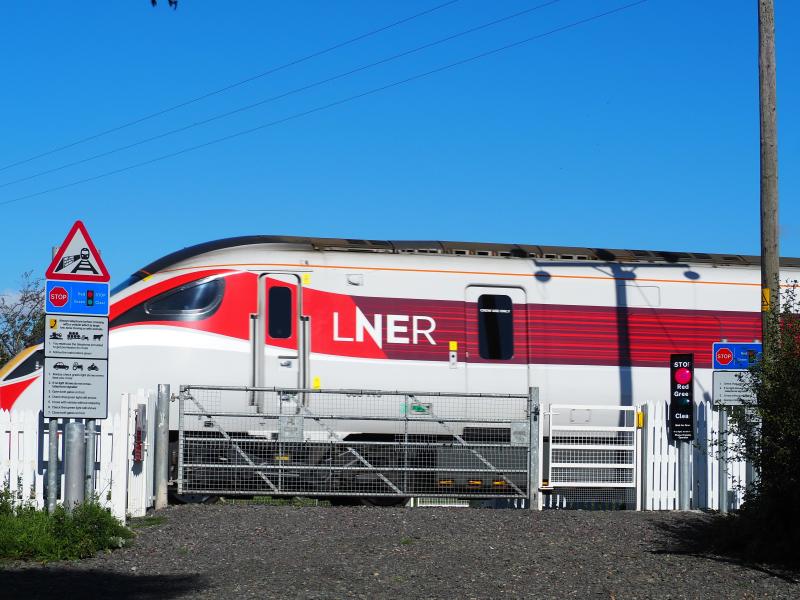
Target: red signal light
683, 376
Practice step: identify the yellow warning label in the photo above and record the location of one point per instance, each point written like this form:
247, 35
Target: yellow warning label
53, 323
306, 278
453, 346
316, 383
765, 300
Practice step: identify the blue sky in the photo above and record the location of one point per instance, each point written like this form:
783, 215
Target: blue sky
638, 130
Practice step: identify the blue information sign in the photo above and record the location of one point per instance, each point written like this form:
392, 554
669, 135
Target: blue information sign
76, 298
735, 356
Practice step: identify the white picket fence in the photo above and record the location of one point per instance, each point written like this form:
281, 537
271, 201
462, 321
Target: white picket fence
124, 486
659, 474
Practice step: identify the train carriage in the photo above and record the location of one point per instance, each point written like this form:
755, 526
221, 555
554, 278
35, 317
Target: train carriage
585, 326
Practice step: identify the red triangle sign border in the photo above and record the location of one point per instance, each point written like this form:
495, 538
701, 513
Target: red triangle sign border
102, 276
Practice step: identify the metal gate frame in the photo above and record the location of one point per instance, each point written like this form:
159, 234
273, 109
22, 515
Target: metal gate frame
581, 469
421, 413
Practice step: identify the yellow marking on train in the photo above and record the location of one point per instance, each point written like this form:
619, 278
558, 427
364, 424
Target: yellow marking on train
306, 278
12, 364
316, 383
453, 346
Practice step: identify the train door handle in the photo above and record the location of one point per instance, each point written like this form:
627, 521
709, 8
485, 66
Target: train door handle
286, 363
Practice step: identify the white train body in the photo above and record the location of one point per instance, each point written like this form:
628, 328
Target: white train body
584, 326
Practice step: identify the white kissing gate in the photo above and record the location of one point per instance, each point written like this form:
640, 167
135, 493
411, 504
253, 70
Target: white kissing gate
122, 484
630, 462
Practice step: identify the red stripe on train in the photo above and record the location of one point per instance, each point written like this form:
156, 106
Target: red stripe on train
556, 334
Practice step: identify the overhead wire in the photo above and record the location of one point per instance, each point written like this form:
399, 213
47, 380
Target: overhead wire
282, 95
231, 86
330, 105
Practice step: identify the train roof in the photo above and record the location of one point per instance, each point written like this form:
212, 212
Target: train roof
562, 253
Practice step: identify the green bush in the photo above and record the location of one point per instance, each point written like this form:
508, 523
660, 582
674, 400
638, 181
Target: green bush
768, 527
29, 533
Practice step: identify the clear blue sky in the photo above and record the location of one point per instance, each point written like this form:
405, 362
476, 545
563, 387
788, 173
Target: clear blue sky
639, 130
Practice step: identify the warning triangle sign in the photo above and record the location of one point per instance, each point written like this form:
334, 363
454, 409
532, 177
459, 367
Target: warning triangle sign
77, 259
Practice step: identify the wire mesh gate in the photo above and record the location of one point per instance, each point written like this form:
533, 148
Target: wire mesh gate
368, 443
593, 456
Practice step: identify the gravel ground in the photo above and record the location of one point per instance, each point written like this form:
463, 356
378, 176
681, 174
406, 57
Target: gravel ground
258, 551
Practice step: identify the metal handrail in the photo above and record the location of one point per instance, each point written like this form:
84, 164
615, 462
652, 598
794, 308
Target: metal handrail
351, 392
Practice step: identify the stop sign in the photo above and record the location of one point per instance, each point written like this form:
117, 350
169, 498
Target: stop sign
724, 356
58, 296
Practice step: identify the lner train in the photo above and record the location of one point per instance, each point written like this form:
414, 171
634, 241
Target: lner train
583, 325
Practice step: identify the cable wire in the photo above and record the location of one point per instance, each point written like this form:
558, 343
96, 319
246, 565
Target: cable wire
279, 96
231, 86
329, 105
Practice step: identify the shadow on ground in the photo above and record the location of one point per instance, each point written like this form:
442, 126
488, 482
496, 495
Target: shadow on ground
47, 582
722, 539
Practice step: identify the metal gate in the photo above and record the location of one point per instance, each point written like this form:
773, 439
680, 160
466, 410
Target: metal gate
592, 456
327, 443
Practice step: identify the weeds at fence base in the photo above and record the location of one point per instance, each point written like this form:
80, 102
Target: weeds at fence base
151, 521
30, 533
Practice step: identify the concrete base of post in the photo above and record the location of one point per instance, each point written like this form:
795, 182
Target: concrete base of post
684, 475
74, 464
161, 467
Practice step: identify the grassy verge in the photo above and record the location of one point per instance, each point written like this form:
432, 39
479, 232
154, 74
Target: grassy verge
151, 521
29, 533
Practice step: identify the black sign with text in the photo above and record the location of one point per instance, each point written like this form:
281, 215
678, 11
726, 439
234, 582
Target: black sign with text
681, 396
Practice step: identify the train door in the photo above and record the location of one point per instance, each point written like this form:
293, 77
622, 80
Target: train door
281, 332
497, 340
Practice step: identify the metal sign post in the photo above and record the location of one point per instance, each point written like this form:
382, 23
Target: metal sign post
534, 476
75, 384
722, 467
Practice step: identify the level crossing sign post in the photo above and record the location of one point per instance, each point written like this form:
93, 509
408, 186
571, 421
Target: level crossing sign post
75, 370
730, 388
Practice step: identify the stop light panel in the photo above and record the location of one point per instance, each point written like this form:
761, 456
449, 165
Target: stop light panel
681, 397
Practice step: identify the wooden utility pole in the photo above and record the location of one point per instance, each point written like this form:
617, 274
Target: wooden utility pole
770, 288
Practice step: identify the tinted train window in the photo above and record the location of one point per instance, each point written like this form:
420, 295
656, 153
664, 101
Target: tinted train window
495, 327
191, 299
280, 312
33, 363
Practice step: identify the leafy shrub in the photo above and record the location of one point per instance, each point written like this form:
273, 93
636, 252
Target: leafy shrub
768, 527
29, 533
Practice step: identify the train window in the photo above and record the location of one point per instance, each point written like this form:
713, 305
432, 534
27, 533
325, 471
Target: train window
196, 298
280, 312
495, 327
33, 363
